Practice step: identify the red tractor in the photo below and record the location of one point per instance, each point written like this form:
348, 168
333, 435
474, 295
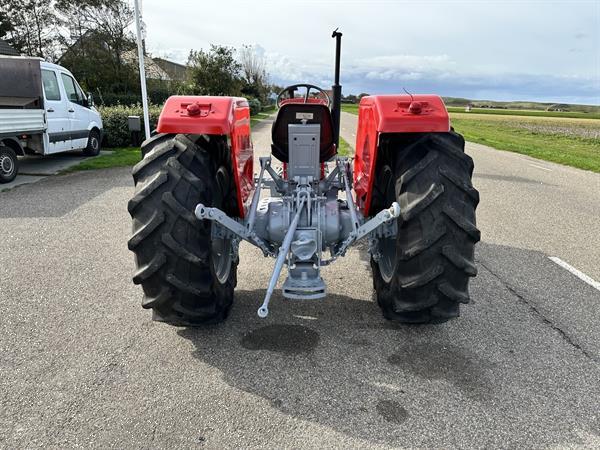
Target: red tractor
408, 193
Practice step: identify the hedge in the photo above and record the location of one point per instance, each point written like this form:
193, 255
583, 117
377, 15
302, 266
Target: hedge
255, 106
116, 129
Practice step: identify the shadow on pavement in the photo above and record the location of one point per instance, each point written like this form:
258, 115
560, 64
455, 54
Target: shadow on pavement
326, 362
511, 179
340, 364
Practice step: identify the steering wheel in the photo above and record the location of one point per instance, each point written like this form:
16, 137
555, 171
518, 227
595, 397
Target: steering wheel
290, 91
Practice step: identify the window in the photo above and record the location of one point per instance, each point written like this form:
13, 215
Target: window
70, 88
80, 93
50, 84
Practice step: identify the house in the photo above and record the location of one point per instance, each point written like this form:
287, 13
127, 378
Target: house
177, 72
129, 57
153, 70
7, 50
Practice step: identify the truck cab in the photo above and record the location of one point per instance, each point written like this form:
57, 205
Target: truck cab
70, 114
43, 110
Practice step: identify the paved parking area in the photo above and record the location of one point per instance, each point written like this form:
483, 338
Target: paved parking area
33, 168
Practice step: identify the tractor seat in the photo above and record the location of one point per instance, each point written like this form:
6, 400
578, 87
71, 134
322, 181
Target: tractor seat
288, 114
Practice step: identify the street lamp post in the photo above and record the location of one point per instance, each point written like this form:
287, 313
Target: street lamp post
138, 27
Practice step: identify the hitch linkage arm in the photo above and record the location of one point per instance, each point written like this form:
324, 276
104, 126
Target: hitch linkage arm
382, 217
215, 214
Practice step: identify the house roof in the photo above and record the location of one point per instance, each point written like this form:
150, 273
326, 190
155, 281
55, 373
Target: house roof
153, 70
177, 72
6, 49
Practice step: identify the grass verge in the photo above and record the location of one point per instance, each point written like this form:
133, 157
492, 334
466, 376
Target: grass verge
259, 117
121, 157
583, 153
345, 149
353, 109
350, 108
530, 113
575, 151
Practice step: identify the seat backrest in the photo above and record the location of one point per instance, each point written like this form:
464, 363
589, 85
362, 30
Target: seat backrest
294, 113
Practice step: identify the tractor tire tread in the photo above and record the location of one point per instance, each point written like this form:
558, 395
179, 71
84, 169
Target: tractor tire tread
172, 247
410, 209
149, 269
436, 229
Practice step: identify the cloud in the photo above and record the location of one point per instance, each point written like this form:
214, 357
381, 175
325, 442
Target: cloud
438, 74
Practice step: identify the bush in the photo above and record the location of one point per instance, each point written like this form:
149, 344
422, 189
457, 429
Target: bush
116, 129
255, 106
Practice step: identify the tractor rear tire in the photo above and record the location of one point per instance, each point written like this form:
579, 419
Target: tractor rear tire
422, 274
187, 277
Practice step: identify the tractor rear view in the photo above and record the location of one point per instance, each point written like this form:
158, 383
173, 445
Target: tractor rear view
407, 192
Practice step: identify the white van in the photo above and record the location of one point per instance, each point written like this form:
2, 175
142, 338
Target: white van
43, 111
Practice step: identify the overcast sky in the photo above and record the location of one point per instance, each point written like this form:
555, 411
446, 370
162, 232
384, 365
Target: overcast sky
498, 50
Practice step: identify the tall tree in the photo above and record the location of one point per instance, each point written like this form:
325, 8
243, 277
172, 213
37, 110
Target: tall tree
215, 72
99, 46
33, 27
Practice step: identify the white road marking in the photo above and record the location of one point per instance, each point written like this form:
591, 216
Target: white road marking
540, 167
582, 276
305, 317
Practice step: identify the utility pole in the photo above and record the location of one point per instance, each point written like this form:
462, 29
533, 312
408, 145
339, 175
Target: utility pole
138, 26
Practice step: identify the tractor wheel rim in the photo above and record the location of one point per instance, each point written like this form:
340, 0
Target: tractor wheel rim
221, 258
6, 165
387, 247
387, 259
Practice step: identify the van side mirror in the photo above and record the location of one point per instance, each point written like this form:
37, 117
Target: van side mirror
89, 100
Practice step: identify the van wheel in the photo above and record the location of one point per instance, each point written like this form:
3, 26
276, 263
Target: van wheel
9, 164
93, 145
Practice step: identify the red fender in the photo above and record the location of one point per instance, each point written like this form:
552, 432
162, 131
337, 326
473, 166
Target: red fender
378, 114
224, 116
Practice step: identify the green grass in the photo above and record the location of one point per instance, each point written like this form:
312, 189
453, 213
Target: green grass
552, 136
259, 117
520, 105
121, 157
353, 109
345, 149
350, 108
580, 152
518, 112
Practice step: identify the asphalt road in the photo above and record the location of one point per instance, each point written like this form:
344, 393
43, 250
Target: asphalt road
82, 364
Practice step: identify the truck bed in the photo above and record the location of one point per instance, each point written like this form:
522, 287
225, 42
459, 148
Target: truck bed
21, 121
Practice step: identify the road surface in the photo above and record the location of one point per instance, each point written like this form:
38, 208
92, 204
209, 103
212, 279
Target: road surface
83, 365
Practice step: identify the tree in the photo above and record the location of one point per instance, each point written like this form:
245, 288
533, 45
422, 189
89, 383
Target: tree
97, 40
255, 80
5, 24
350, 98
30, 26
215, 72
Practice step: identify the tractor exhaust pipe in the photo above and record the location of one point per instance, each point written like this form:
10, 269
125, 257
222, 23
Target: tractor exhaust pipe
337, 89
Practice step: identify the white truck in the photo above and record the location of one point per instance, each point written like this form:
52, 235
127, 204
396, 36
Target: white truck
42, 111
